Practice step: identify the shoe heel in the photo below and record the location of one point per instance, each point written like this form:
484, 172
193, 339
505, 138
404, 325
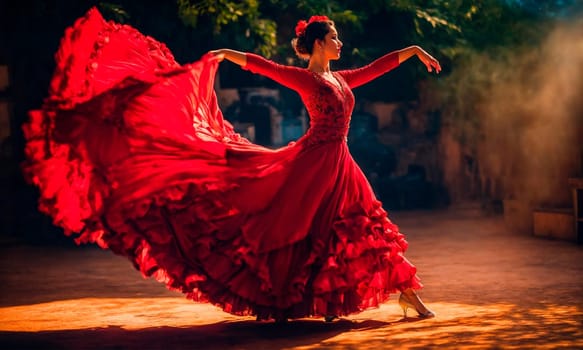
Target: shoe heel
404, 304
404, 307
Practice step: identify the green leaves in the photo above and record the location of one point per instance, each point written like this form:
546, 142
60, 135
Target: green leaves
221, 12
265, 34
453, 30
239, 20
115, 11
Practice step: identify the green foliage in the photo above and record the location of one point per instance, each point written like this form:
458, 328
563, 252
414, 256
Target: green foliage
239, 19
223, 12
114, 11
453, 30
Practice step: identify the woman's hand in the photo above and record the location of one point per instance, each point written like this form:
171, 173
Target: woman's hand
431, 63
236, 57
219, 54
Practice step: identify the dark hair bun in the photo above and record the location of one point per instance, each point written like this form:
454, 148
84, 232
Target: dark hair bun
299, 45
307, 32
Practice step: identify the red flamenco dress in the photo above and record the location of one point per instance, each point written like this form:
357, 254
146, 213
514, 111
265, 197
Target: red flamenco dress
130, 151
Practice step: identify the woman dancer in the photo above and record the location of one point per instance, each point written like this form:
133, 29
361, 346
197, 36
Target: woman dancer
130, 151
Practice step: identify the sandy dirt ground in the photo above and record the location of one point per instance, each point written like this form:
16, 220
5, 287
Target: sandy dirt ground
490, 287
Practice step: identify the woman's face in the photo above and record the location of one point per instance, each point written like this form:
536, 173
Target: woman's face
331, 45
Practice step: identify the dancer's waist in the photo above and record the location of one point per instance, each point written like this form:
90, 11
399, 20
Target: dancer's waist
315, 136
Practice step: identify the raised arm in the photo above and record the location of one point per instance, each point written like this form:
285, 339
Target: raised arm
236, 57
431, 63
386, 63
291, 77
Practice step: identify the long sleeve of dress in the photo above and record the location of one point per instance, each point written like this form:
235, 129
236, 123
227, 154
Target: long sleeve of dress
289, 76
362, 75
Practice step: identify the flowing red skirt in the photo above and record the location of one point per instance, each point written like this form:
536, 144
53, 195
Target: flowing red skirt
130, 151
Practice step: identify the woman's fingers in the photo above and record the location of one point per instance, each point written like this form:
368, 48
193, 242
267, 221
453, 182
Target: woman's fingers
437, 66
218, 54
432, 64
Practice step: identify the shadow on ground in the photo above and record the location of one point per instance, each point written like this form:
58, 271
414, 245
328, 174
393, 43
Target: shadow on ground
119, 324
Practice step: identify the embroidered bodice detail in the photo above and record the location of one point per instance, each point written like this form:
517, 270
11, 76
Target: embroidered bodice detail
329, 105
330, 108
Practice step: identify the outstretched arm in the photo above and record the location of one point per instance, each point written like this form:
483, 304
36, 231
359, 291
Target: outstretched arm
236, 57
291, 77
380, 66
430, 62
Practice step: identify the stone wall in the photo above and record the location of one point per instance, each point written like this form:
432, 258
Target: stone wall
416, 178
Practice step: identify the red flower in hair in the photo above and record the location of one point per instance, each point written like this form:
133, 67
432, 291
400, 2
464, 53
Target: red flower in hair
318, 19
302, 25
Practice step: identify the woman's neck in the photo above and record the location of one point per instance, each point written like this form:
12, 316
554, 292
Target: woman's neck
319, 64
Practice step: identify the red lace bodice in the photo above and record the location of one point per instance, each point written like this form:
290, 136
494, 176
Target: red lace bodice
328, 106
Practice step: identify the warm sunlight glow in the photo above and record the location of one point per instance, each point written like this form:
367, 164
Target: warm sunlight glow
127, 313
456, 325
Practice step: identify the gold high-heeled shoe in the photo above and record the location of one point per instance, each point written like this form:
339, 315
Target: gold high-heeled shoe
405, 304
